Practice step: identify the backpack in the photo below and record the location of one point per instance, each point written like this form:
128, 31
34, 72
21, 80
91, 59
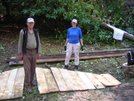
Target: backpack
130, 58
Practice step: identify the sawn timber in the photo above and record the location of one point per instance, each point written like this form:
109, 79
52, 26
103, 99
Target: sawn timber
83, 56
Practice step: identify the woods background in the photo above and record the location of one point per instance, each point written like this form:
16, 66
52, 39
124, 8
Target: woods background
53, 17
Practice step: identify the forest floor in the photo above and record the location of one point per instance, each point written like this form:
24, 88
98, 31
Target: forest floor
123, 92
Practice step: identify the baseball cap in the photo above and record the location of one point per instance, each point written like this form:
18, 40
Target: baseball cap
30, 20
74, 20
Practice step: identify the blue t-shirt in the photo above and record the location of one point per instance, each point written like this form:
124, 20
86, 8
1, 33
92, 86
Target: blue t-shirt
74, 35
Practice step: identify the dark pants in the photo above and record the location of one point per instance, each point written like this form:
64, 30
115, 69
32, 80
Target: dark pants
29, 60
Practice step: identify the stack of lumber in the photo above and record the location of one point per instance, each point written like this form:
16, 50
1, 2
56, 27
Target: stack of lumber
83, 56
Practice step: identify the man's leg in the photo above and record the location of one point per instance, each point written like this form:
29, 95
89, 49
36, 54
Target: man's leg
27, 69
33, 67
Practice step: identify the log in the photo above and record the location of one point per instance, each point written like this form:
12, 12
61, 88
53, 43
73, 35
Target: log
126, 35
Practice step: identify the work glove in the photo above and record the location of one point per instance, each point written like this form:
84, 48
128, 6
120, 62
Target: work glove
82, 47
65, 48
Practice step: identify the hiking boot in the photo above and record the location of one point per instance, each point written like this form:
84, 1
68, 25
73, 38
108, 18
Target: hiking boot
34, 83
66, 67
75, 68
29, 89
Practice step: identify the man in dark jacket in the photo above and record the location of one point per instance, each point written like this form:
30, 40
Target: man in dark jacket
29, 49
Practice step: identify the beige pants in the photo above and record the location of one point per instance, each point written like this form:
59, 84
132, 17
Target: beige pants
70, 49
29, 65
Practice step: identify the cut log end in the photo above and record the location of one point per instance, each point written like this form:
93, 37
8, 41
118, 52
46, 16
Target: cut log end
128, 70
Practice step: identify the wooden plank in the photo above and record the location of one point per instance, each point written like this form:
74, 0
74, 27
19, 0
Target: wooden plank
111, 79
10, 84
101, 56
51, 83
41, 79
88, 53
95, 81
77, 80
72, 58
68, 79
59, 79
3, 82
86, 80
103, 80
19, 84
38, 61
83, 56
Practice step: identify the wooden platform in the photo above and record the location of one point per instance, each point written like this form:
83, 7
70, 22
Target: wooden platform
11, 84
53, 80
58, 80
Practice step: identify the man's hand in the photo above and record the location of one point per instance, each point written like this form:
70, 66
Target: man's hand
20, 56
38, 56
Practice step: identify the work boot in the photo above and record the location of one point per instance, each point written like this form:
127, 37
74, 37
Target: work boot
34, 83
75, 68
66, 67
29, 89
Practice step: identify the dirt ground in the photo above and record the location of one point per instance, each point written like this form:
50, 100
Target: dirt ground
123, 92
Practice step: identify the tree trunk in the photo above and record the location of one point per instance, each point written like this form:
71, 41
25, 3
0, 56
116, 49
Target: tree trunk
126, 35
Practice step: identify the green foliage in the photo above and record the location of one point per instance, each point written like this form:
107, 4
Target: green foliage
130, 30
105, 36
53, 17
1, 47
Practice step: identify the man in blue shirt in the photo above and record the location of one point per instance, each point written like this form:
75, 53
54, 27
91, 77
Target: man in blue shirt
73, 43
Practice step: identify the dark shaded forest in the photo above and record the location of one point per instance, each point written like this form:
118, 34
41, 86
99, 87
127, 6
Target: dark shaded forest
53, 17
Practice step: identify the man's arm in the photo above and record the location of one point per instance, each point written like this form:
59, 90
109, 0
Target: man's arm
20, 43
39, 47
